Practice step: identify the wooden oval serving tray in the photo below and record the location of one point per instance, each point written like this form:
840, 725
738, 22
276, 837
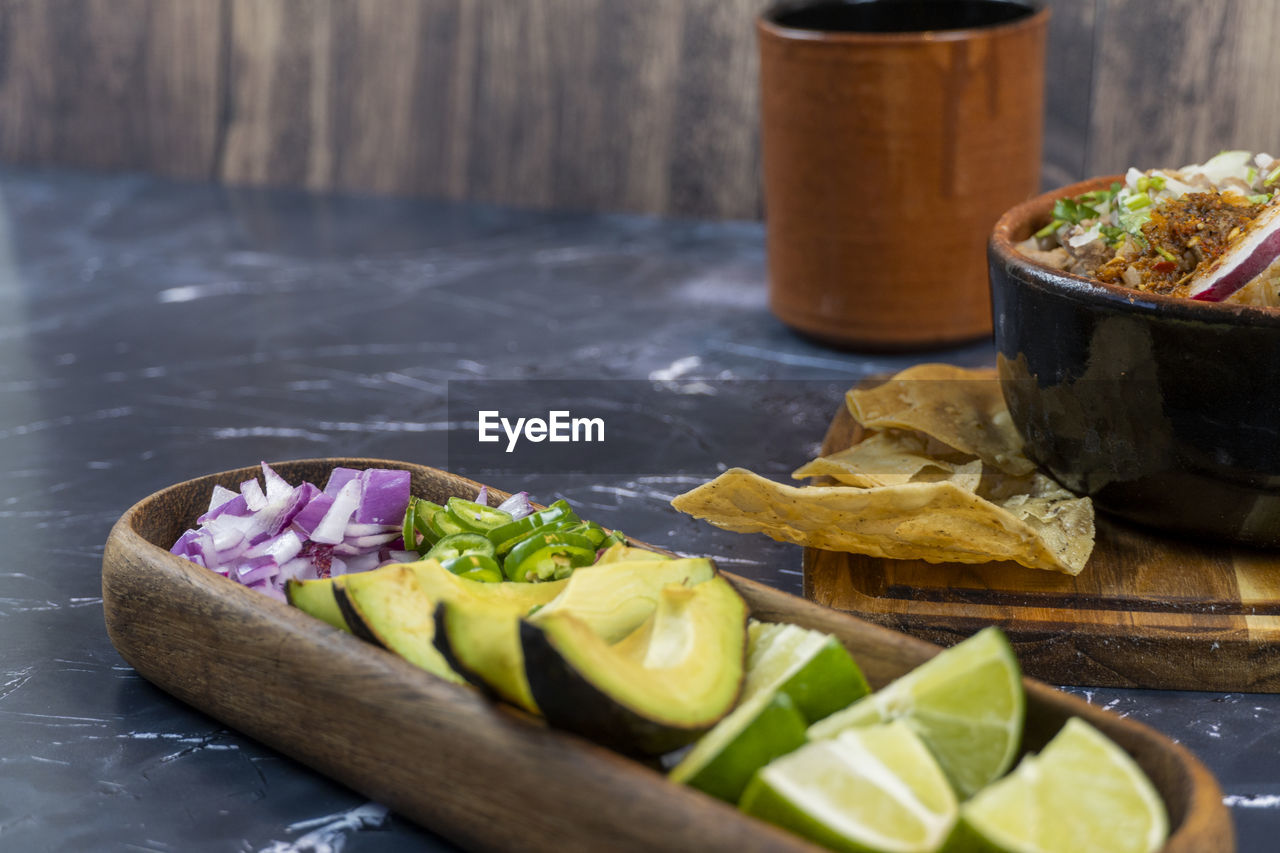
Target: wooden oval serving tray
486, 776
1147, 611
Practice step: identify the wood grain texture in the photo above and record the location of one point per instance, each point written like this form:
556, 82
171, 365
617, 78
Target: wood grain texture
568, 103
1068, 91
111, 83
1178, 81
470, 769
1145, 612
591, 104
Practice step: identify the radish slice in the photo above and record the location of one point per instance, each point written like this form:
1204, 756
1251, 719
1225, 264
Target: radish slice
1251, 255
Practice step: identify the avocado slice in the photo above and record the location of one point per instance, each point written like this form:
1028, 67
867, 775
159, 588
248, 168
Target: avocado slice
616, 598
617, 552
657, 689
441, 584
388, 607
316, 598
394, 606
481, 638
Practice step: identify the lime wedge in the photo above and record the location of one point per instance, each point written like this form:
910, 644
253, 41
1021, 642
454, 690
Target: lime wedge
875, 789
763, 728
966, 703
1081, 793
794, 676
811, 667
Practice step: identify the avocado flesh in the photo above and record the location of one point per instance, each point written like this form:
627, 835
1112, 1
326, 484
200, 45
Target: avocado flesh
440, 584
657, 689
618, 553
389, 607
615, 598
394, 607
316, 598
481, 639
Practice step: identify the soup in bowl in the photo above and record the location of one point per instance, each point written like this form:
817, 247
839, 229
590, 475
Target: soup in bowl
1164, 408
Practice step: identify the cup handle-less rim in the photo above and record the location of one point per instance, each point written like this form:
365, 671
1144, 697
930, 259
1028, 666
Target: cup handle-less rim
766, 24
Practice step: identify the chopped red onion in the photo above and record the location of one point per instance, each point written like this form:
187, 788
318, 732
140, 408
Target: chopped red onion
263, 536
253, 495
338, 478
331, 528
517, 505
384, 496
221, 494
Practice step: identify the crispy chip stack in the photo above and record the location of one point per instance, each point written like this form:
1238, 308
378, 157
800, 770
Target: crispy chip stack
938, 474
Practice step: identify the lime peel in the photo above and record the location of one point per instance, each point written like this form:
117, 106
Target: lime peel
1082, 792
966, 703
876, 788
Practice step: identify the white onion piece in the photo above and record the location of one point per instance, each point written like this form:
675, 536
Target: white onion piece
1253, 251
277, 487
330, 529
517, 505
253, 495
221, 494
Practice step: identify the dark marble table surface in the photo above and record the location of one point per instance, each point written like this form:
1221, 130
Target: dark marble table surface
155, 331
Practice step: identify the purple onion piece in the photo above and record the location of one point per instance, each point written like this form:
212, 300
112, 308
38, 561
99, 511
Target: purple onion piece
235, 505
313, 513
329, 530
338, 478
384, 496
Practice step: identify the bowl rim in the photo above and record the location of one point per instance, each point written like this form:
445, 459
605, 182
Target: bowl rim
1037, 15
1018, 221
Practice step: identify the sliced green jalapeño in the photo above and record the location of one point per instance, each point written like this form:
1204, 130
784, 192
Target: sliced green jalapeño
505, 537
475, 517
548, 556
460, 544
475, 567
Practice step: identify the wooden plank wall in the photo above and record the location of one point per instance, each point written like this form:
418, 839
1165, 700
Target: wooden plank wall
646, 105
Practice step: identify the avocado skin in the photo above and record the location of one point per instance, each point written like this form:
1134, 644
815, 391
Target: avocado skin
352, 616
570, 701
441, 640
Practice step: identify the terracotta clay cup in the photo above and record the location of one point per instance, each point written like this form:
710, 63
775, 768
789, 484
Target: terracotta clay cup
895, 133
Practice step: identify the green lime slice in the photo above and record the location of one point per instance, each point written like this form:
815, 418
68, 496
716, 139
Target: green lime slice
759, 730
794, 676
875, 789
811, 667
1082, 792
966, 703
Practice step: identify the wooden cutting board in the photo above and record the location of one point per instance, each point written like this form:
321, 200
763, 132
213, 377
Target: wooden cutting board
1147, 611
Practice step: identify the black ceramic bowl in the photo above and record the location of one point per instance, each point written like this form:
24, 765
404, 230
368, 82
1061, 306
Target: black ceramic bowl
1166, 411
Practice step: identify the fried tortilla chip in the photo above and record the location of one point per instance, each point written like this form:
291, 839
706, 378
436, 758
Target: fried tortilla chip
937, 522
894, 457
964, 409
